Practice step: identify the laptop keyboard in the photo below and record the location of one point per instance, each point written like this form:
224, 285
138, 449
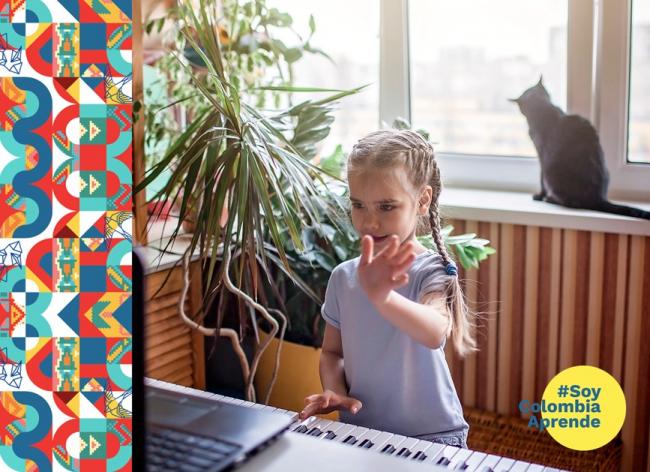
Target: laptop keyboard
185, 452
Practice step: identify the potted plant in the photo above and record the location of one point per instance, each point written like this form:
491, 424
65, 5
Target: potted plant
236, 157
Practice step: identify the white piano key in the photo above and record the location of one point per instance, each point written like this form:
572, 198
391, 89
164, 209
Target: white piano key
368, 435
321, 424
381, 440
550, 469
419, 447
230, 400
504, 465
306, 423
422, 445
520, 466
474, 460
343, 432
286, 412
432, 451
208, 395
270, 409
459, 458
490, 462
448, 452
407, 444
335, 427
535, 468
246, 403
395, 441
356, 432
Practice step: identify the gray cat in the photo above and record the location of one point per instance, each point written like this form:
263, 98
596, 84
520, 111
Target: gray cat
572, 162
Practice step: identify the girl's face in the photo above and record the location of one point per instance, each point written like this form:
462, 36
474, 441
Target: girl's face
384, 203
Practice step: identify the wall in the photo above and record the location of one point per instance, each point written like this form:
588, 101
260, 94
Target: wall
553, 298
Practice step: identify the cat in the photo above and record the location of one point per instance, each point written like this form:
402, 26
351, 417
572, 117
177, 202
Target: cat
573, 170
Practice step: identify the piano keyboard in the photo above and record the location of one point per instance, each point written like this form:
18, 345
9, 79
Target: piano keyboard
450, 457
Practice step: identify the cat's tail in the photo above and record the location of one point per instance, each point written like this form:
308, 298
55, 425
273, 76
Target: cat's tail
624, 210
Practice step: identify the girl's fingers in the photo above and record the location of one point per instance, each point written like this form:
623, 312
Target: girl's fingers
390, 249
400, 280
314, 406
404, 265
351, 404
308, 411
403, 252
366, 250
313, 398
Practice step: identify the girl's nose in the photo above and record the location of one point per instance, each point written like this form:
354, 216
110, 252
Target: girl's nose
370, 223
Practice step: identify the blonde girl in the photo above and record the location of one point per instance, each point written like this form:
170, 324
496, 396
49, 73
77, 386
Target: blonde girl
390, 311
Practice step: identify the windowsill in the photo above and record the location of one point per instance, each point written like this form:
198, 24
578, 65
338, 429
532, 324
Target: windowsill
519, 208
157, 254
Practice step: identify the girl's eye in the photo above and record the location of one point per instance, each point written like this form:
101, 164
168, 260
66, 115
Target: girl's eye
386, 207
356, 205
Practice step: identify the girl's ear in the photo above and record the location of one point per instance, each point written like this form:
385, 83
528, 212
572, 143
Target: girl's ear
425, 200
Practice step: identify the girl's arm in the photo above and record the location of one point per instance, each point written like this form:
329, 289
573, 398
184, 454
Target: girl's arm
426, 322
380, 274
332, 375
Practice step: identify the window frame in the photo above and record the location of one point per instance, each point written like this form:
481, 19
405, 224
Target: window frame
594, 91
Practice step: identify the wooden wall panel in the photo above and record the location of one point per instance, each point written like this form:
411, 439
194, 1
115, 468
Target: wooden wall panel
470, 371
633, 361
173, 351
531, 287
553, 298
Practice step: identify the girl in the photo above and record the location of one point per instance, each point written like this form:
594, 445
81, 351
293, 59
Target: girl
389, 312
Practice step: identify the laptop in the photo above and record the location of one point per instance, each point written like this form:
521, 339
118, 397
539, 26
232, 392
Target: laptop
173, 431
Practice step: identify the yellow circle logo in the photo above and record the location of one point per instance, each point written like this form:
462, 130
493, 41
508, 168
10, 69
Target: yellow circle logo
583, 408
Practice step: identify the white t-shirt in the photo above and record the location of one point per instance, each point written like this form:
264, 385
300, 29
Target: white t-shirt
404, 386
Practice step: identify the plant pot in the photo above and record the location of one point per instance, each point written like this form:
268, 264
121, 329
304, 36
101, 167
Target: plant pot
297, 378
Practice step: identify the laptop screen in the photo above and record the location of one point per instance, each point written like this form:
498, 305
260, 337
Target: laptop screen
138, 361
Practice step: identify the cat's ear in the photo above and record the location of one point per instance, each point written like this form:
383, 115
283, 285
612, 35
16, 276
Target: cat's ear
541, 77
514, 100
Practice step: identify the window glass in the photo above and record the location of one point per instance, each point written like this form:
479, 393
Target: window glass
349, 33
639, 119
469, 56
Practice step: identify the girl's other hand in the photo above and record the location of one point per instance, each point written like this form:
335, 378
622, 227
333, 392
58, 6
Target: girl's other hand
382, 272
326, 402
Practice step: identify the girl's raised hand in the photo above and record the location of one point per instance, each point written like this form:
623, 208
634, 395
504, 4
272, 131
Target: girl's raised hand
326, 402
382, 272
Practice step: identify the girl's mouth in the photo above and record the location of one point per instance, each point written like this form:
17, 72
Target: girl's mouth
379, 239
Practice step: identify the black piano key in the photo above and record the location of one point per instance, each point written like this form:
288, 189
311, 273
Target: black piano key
388, 449
315, 432
417, 455
404, 452
350, 440
366, 444
443, 461
301, 429
423, 457
487, 469
461, 466
330, 435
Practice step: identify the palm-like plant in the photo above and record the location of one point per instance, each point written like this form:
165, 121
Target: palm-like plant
253, 164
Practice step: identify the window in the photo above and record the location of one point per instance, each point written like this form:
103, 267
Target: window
465, 57
463, 72
349, 33
639, 115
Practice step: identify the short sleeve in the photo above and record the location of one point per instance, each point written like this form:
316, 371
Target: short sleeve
330, 309
434, 277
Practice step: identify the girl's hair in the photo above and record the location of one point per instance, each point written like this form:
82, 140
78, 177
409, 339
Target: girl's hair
388, 148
